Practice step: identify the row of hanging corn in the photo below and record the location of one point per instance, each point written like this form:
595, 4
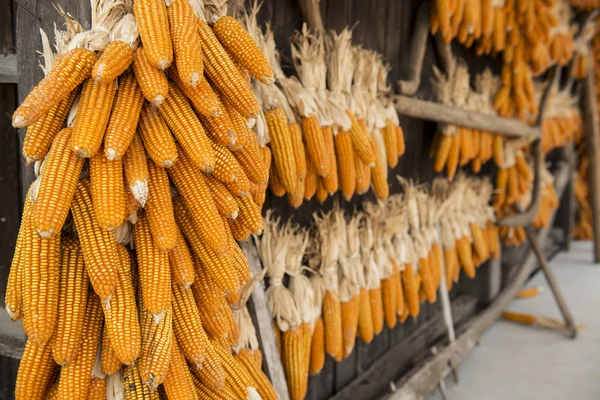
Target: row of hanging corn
349, 275
126, 265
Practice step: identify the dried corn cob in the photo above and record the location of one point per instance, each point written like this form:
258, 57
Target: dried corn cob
298, 148
212, 374
121, 316
98, 245
108, 196
180, 260
92, 117
191, 184
157, 138
153, 24
178, 114
40, 135
157, 337
187, 325
159, 208
345, 164
379, 172
134, 388
153, 82
37, 372
124, 118
108, 359
178, 382
241, 382
76, 376
265, 388
153, 269
186, 43
250, 215
330, 182
315, 145
55, 193
115, 59
97, 389
361, 142
68, 71
136, 170
224, 75
202, 96
73, 297
281, 147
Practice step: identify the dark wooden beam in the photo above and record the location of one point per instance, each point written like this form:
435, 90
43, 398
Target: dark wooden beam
8, 68
431, 111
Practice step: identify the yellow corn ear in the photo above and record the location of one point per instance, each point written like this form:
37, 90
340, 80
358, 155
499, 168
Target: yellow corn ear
220, 128
115, 59
391, 144
298, 147
186, 127
153, 82
365, 317
451, 263
108, 196
453, 156
410, 287
360, 141
55, 193
389, 292
235, 374
265, 388
40, 135
346, 166
479, 242
124, 118
224, 75
250, 215
187, 325
275, 182
243, 49
186, 43
296, 197
178, 382
192, 186
153, 23
379, 173
376, 300
97, 389
295, 363
330, 182
219, 266
153, 269
332, 318
251, 161
315, 145
310, 182
93, 112
208, 295
108, 359
465, 256
363, 175
498, 150
135, 167
350, 310
75, 377
159, 208
400, 306
202, 96
134, 388
121, 319
37, 371
40, 280
282, 148
317, 347
442, 151
99, 246
239, 230
157, 138
68, 71
180, 260
155, 355
13, 298
71, 303
227, 169
400, 141
211, 373
494, 240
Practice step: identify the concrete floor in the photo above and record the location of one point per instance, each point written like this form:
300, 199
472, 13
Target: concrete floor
523, 363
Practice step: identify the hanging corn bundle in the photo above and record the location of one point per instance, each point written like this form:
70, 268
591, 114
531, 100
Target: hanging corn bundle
396, 233
561, 122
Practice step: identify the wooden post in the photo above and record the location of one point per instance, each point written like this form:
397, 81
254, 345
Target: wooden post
592, 132
311, 14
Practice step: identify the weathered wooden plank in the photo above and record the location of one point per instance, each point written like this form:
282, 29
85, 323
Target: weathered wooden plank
8, 68
450, 115
425, 377
592, 133
261, 316
12, 337
376, 379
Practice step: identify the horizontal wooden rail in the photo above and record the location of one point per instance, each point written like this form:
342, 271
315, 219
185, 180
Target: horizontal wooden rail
428, 110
